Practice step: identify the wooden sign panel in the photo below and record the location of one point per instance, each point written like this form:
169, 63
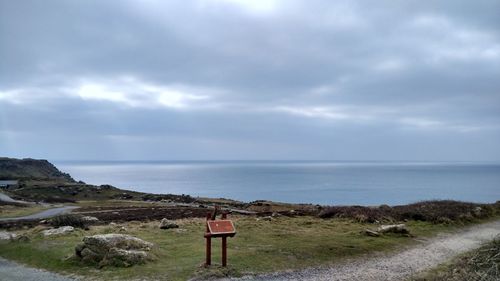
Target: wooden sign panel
221, 227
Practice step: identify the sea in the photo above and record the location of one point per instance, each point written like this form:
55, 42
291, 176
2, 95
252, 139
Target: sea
315, 182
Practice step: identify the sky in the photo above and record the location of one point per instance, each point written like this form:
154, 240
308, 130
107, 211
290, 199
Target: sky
250, 80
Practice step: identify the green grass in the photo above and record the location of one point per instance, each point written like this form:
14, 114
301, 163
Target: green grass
259, 246
10, 211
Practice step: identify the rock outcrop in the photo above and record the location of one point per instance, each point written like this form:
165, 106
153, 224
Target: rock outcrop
90, 219
4, 235
393, 228
114, 249
166, 224
31, 169
58, 231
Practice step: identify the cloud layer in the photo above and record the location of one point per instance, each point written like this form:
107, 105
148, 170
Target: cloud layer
248, 79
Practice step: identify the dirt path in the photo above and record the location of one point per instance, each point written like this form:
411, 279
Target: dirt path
395, 266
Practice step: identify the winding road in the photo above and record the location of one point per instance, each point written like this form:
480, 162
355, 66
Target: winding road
44, 214
41, 215
11, 271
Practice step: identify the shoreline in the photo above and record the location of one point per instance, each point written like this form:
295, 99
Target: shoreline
299, 183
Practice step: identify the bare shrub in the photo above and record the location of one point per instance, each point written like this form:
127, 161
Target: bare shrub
69, 220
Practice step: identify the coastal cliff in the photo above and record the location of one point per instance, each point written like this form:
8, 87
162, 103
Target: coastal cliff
31, 169
40, 180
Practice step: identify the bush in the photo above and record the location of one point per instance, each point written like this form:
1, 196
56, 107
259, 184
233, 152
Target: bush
358, 213
69, 220
438, 211
56, 199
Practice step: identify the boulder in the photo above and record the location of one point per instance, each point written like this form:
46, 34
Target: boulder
113, 249
58, 231
22, 238
125, 258
167, 224
371, 233
4, 235
393, 228
276, 215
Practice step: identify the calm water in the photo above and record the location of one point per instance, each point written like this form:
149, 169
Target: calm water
311, 182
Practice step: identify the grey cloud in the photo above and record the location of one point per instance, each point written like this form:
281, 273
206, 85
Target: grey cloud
352, 77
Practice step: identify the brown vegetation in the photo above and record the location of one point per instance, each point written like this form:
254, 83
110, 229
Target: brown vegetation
444, 211
120, 214
73, 220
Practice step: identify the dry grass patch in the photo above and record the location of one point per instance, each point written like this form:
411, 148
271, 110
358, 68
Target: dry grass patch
259, 246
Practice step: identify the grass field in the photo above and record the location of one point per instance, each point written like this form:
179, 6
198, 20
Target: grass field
260, 246
10, 211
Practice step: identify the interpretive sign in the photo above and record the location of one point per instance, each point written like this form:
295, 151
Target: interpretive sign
221, 227
218, 228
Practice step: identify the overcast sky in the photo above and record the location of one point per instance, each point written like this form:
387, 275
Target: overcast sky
250, 79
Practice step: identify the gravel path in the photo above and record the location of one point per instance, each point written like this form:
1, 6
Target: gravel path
10, 271
395, 266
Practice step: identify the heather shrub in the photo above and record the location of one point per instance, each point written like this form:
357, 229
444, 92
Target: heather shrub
69, 220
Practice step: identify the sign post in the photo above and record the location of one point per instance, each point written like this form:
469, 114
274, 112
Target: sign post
218, 228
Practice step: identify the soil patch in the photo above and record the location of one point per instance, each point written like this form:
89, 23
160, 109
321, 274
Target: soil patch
122, 214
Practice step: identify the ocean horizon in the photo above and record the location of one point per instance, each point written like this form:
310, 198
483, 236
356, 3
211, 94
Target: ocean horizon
300, 181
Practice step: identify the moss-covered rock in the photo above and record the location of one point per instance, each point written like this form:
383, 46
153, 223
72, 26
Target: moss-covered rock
113, 250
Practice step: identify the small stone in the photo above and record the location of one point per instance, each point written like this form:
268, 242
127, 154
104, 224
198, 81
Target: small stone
267, 218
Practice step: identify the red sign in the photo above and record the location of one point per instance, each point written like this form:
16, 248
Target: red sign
221, 227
